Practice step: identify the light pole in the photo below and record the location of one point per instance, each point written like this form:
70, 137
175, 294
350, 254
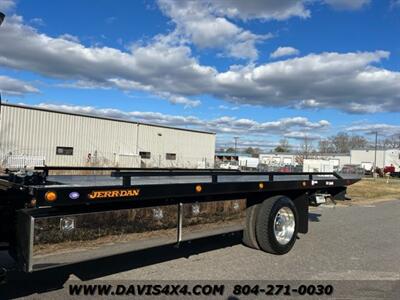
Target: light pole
399, 143
236, 138
376, 148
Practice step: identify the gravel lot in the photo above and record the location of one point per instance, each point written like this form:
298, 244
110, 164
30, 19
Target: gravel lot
357, 242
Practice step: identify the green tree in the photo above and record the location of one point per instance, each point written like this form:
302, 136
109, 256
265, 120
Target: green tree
230, 150
283, 146
254, 152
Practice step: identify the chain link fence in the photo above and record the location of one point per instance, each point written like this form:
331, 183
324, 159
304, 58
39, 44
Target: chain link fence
29, 158
21, 161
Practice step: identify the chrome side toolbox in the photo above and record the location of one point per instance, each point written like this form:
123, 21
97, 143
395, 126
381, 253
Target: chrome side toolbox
51, 241
212, 218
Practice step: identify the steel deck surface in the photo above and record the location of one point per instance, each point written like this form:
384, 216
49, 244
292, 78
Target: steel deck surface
106, 180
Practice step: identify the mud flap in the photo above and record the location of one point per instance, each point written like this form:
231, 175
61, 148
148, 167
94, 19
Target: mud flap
340, 194
302, 203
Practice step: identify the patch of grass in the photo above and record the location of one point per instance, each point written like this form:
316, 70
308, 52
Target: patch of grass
371, 189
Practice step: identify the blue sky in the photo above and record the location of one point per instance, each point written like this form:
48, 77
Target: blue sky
260, 70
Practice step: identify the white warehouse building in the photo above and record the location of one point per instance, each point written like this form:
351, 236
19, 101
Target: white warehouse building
37, 136
366, 158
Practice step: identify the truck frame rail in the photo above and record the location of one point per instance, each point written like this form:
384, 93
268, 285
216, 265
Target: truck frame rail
63, 215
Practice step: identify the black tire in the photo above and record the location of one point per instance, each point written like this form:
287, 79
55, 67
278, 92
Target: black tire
265, 225
249, 231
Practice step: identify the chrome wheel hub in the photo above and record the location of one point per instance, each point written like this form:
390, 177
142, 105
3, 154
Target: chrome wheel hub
284, 225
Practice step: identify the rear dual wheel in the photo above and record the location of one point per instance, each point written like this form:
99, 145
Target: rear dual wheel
272, 225
249, 232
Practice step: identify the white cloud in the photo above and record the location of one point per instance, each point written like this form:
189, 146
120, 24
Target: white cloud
69, 37
83, 84
252, 133
15, 87
7, 5
301, 135
37, 22
265, 10
224, 124
245, 142
140, 116
351, 82
308, 103
347, 4
228, 107
210, 24
284, 51
156, 67
348, 81
198, 22
172, 98
382, 128
395, 3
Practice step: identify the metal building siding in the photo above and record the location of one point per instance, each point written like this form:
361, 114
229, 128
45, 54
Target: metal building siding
35, 132
190, 147
383, 157
367, 156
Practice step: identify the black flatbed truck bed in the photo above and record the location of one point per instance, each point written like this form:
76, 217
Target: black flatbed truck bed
50, 219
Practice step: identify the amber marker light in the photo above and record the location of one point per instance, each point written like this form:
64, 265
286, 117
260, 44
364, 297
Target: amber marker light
199, 188
50, 196
261, 185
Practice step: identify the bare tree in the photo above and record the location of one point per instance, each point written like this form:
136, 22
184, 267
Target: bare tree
357, 142
392, 142
326, 146
340, 142
306, 150
343, 143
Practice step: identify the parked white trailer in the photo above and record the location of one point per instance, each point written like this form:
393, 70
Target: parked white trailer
318, 165
248, 162
278, 159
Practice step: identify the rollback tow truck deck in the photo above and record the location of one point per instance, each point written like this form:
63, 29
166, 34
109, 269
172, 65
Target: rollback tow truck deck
53, 216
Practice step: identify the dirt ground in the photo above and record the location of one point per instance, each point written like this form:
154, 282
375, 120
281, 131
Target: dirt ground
378, 189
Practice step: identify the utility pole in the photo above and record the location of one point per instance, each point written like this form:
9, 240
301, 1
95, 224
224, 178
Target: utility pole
376, 148
306, 146
399, 141
236, 138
